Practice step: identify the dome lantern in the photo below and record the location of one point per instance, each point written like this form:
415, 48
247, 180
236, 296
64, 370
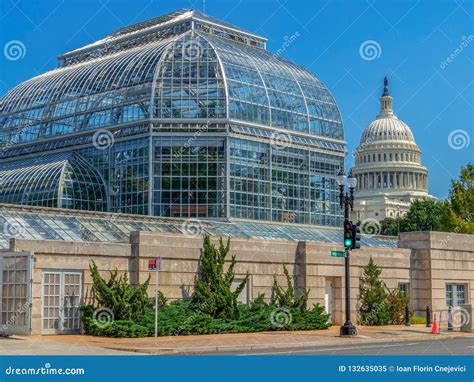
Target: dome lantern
386, 108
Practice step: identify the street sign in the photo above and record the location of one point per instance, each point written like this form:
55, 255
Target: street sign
338, 254
154, 264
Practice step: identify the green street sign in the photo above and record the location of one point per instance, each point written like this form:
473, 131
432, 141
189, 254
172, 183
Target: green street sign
338, 254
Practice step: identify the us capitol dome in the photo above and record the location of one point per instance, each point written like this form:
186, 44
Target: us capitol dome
387, 167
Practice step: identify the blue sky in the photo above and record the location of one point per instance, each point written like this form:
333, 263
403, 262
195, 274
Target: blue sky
425, 47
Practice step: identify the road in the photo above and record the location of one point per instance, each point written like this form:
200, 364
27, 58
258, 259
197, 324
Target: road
448, 346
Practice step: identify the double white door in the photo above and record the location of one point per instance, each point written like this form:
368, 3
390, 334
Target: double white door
61, 300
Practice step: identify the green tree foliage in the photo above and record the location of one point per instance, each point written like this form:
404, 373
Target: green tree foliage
425, 215
379, 304
456, 214
461, 198
288, 298
389, 226
213, 293
373, 295
127, 302
396, 302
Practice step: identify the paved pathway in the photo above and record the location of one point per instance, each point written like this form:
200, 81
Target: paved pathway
223, 343
44, 346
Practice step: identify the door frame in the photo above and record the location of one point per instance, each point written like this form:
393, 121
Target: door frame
61, 272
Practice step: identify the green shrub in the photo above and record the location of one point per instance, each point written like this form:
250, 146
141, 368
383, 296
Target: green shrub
126, 301
417, 320
118, 329
288, 298
179, 318
397, 301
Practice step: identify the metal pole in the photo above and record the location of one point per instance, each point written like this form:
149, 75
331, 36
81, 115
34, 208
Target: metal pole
157, 272
348, 288
348, 329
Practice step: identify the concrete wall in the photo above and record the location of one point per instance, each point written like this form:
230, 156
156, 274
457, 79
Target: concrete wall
55, 255
427, 260
438, 259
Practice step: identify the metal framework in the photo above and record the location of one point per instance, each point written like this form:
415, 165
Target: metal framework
58, 180
39, 223
197, 109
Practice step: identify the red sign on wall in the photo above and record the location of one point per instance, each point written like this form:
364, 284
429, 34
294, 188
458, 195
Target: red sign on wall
154, 264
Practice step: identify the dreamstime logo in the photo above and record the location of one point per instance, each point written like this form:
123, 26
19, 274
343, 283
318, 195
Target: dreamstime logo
281, 317
104, 316
103, 139
287, 41
22, 309
370, 227
13, 229
192, 50
370, 50
461, 316
280, 140
14, 50
465, 41
192, 228
459, 139
362, 146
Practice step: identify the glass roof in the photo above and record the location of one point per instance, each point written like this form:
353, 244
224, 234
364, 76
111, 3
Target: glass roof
114, 84
38, 223
58, 180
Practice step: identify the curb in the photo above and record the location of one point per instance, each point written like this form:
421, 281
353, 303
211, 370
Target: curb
278, 346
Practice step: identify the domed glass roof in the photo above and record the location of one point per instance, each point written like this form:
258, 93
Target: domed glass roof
133, 75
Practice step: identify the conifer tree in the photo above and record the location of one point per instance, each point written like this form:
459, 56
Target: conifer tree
374, 309
213, 292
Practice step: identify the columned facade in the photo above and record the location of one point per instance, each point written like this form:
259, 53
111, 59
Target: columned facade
387, 167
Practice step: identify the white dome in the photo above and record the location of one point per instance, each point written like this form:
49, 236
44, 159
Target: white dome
387, 165
387, 128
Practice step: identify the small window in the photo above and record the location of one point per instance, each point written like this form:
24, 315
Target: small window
404, 288
455, 294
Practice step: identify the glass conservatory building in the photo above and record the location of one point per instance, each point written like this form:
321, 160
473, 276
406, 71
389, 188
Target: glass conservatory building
179, 116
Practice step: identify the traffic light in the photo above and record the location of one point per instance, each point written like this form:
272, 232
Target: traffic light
348, 241
355, 236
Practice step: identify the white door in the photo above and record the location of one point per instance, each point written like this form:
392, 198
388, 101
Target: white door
329, 298
61, 299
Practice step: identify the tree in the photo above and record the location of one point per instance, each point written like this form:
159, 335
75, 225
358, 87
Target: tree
289, 298
461, 198
127, 302
213, 293
425, 215
374, 309
389, 226
396, 302
456, 214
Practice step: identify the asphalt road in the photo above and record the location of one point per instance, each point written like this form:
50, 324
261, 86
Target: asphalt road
448, 346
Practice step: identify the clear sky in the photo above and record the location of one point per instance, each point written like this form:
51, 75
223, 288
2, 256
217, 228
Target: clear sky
426, 48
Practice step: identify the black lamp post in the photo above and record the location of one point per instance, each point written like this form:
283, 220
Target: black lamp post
347, 201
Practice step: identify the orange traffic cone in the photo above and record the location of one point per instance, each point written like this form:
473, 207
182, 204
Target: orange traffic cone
435, 327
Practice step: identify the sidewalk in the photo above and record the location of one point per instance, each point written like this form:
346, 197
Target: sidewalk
243, 342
